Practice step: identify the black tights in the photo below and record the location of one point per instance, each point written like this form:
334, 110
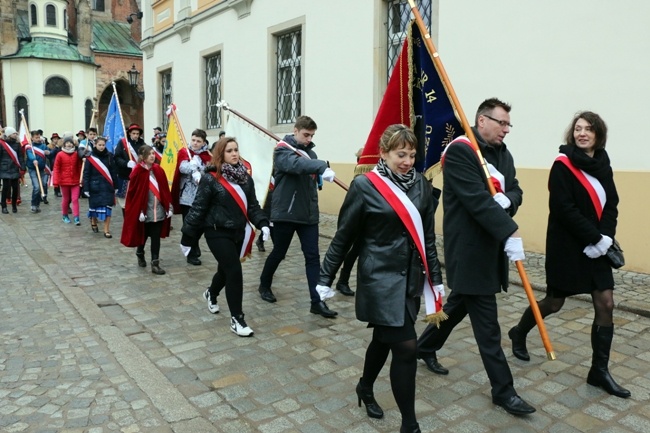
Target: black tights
153, 231
10, 186
402, 373
603, 301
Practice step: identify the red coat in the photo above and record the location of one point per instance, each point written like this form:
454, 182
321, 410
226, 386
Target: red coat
185, 154
67, 169
137, 197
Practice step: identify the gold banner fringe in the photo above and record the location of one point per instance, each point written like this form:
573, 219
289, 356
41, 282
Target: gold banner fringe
436, 318
363, 168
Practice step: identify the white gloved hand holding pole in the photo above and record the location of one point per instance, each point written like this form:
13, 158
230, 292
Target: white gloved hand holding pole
502, 200
266, 233
329, 175
514, 248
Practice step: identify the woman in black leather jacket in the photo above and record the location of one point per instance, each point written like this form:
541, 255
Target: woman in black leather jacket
224, 207
390, 271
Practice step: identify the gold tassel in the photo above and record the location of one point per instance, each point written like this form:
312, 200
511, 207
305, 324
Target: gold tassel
363, 168
436, 318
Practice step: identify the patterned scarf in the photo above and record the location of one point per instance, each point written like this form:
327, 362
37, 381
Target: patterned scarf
234, 173
403, 181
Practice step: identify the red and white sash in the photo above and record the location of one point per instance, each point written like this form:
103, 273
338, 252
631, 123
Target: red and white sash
239, 196
496, 177
12, 153
130, 149
412, 220
101, 167
153, 185
35, 150
158, 154
591, 184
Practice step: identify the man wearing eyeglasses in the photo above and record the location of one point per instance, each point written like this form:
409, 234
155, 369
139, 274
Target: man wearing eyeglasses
478, 229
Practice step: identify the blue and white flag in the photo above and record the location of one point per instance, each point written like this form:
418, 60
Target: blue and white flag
114, 125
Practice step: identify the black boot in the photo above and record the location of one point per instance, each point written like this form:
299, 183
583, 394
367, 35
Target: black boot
155, 267
366, 395
413, 428
260, 244
601, 343
518, 335
139, 253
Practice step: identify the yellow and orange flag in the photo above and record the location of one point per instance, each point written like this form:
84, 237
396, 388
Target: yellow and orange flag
175, 142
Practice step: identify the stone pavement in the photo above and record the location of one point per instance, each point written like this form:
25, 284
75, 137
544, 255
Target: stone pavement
92, 343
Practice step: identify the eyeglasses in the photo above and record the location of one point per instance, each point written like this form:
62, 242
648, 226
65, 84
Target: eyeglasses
503, 123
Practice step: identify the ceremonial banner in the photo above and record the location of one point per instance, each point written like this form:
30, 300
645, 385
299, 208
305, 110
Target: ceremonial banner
22, 133
415, 97
257, 148
174, 144
114, 125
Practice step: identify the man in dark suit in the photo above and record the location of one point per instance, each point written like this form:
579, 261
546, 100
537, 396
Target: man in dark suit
479, 232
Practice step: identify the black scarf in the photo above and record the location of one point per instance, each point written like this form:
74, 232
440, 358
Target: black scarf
403, 181
598, 166
234, 173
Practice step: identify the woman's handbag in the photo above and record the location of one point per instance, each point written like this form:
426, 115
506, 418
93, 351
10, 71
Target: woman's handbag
615, 255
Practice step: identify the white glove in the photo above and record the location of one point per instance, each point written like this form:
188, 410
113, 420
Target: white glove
130, 164
197, 159
193, 165
502, 200
266, 233
324, 292
439, 289
185, 250
142, 217
515, 249
170, 211
196, 176
86, 193
328, 175
603, 245
591, 252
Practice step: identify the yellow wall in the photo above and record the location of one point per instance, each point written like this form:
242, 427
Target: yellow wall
634, 208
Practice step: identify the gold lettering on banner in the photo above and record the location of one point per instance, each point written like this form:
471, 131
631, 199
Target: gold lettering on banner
422, 80
451, 133
428, 129
431, 96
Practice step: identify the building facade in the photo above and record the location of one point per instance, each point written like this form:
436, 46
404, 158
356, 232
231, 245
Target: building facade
275, 60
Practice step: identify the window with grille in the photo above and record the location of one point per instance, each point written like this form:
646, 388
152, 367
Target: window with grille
50, 15
399, 15
98, 5
57, 86
212, 91
34, 17
288, 76
20, 103
166, 96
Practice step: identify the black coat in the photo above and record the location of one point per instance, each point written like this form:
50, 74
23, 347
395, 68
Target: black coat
474, 225
389, 268
215, 208
573, 224
8, 169
122, 158
102, 193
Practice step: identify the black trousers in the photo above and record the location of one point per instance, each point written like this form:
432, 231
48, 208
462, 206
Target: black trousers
482, 310
10, 186
153, 231
195, 252
225, 246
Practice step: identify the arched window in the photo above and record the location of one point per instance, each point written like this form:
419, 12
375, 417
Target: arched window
32, 12
20, 103
50, 15
88, 109
57, 86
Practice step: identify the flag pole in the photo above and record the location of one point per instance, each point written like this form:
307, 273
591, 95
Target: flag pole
226, 107
28, 135
83, 161
174, 116
435, 56
119, 109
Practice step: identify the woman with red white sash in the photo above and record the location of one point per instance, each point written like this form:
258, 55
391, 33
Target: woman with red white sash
389, 213
99, 185
148, 208
224, 209
581, 226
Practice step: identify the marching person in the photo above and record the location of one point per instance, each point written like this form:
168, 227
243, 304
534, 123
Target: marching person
99, 180
480, 236
224, 208
65, 175
126, 157
190, 165
581, 226
394, 264
148, 209
294, 208
11, 165
55, 147
37, 156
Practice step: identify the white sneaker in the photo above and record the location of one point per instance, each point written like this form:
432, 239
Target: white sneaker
239, 326
212, 308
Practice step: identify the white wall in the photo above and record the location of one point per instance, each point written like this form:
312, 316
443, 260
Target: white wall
551, 59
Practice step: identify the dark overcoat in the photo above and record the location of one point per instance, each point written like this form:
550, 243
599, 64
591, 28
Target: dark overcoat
475, 227
101, 191
573, 224
389, 268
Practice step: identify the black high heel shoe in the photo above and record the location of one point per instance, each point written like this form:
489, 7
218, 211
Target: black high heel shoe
367, 396
413, 428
